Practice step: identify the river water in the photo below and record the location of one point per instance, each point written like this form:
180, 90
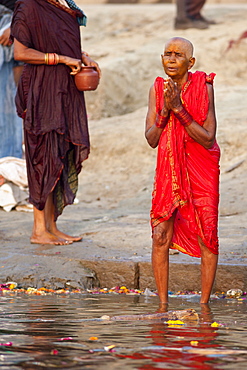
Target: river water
59, 331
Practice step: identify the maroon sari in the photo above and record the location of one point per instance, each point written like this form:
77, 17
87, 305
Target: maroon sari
187, 174
55, 120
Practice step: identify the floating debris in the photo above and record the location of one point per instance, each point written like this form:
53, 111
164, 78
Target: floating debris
12, 287
148, 293
174, 323
54, 352
8, 344
234, 293
215, 325
174, 317
110, 348
67, 338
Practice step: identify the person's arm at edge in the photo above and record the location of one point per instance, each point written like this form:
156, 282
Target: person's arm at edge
4, 38
28, 55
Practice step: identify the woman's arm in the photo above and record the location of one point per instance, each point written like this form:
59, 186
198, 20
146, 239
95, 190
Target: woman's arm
153, 132
27, 55
205, 135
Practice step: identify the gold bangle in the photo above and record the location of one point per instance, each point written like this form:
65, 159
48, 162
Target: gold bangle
46, 58
51, 58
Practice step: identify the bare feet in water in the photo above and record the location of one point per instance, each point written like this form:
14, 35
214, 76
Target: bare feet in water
48, 238
163, 307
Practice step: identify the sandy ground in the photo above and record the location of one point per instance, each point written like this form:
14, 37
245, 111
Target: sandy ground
117, 179
127, 41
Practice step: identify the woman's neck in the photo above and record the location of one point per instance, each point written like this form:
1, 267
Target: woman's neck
181, 81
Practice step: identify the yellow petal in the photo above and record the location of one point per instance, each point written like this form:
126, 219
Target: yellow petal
215, 324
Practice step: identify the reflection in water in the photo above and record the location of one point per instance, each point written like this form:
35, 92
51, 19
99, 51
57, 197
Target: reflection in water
174, 343
60, 332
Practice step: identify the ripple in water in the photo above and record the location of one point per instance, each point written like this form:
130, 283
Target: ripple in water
50, 332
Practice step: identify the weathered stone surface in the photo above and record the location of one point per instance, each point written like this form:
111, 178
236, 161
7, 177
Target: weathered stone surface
181, 276
184, 277
187, 277
44, 271
110, 274
234, 276
146, 279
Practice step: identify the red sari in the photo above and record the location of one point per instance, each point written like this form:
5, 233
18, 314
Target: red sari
187, 174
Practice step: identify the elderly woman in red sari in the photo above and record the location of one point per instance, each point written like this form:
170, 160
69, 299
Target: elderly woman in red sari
47, 38
181, 122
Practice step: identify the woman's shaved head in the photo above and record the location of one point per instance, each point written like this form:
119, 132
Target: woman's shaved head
184, 44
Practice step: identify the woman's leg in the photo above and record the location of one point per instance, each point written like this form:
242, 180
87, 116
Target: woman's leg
40, 234
51, 224
162, 237
209, 263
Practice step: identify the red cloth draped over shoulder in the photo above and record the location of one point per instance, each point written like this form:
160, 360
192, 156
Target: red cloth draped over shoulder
187, 174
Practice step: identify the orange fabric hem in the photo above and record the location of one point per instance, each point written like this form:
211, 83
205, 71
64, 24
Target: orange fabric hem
181, 249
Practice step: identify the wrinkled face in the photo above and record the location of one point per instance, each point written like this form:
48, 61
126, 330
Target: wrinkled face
177, 58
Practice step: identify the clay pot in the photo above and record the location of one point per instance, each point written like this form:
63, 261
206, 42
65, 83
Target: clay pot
87, 78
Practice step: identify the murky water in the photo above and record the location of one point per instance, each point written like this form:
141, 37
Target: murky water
50, 332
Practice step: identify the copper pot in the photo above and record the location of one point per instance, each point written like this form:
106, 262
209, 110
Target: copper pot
87, 79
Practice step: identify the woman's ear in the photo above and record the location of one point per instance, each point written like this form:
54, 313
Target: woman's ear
191, 62
162, 60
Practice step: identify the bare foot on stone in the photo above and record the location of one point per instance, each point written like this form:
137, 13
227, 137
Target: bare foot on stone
61, 235
48, 238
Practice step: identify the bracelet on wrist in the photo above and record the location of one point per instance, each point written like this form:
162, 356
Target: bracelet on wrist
184, 117
46, 58
51, 59
161, 121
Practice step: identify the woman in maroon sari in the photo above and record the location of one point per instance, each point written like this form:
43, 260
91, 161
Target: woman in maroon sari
181, 122
47, 38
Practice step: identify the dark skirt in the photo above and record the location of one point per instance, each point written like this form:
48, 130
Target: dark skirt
53, 165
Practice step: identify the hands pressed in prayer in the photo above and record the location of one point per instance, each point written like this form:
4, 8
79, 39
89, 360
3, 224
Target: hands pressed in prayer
171, 96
